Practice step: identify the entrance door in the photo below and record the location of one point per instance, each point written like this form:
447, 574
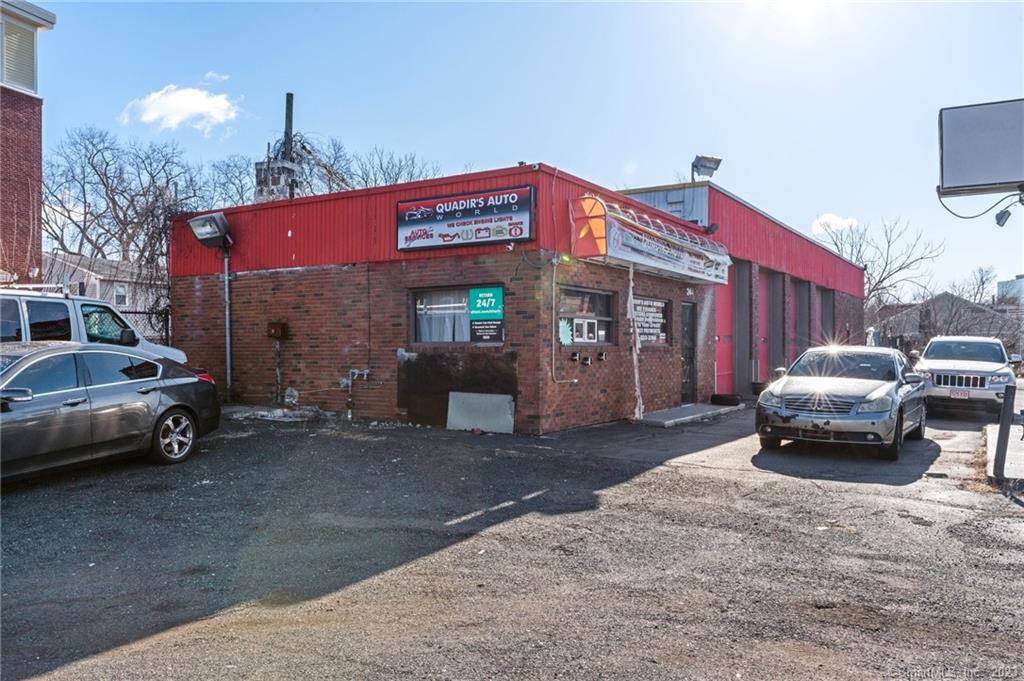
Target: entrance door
688, 337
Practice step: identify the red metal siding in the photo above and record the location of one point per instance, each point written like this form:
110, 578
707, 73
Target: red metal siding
359, 226
750, 235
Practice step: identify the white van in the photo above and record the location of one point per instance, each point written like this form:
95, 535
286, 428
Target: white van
27, 315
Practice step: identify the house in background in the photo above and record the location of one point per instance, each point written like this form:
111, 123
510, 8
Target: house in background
138, 291
947, 314
21, 151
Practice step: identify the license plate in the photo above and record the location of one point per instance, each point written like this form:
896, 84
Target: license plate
960, 394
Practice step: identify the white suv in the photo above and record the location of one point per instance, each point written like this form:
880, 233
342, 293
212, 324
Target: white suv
961, 370
27, 315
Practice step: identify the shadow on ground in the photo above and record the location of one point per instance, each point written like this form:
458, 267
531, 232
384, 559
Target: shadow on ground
98, 557
849, 463
271, 515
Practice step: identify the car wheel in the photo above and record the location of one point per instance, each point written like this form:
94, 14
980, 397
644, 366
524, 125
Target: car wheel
174, 437
918, 433
892, 452
770, 442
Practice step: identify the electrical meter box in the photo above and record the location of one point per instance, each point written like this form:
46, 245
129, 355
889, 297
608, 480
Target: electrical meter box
278, 330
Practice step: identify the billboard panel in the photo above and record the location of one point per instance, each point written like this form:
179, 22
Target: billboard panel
981, 148
492, 216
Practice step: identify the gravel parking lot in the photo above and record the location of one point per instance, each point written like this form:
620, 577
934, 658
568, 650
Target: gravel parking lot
324, 551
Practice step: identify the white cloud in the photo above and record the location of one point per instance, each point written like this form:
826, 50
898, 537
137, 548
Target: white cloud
171, 106
833, 221
214, 77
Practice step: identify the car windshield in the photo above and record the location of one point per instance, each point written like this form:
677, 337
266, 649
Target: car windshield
869, 365
970, 351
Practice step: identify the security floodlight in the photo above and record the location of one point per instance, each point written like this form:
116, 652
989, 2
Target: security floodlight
704, 166
711, 229
1002, 216
211, 230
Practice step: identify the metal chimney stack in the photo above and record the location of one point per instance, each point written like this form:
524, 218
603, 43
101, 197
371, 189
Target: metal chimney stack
287, 152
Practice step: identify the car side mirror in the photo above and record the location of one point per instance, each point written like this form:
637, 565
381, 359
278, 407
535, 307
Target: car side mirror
779, 372
128, 337
16, 395
913, 379
1015, 358
915, 355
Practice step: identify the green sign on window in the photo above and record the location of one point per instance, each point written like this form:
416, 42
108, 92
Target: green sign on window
487, 315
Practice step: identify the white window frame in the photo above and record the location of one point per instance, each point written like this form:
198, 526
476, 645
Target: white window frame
35, 56
120, 291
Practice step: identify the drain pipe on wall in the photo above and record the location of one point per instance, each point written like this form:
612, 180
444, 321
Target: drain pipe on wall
554, 323
227, 318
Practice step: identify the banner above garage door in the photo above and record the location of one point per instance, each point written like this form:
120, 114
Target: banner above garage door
606, 232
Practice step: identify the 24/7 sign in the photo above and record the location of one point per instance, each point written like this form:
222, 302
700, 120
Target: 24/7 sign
495, 216
487, 314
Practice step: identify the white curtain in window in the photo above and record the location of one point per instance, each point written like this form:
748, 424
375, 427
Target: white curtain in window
442, 316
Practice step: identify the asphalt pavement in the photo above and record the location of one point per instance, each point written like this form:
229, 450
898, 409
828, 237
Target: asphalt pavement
326, 551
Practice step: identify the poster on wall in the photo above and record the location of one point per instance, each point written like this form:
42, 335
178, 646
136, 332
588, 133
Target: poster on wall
651, 320
494, 216
487, 314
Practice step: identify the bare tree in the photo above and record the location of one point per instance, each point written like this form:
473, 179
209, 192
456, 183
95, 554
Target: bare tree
327, 167
112, 201
894, 259
229, 182
380, 167
977, 287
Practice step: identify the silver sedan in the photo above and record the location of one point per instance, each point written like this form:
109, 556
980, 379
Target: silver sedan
848, 394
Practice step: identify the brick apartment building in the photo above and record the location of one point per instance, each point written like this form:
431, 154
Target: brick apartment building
537, 308
786, 291
21, 124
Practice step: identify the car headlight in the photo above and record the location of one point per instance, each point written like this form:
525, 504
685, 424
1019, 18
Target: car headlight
770, 399
880, 404
926, 375
1000, 379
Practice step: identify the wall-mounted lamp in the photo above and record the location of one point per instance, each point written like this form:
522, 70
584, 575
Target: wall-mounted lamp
602, 356
575, 357
704, 166
211, 230
587, 361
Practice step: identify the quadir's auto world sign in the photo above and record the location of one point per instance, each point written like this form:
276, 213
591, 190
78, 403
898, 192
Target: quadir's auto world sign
496, 216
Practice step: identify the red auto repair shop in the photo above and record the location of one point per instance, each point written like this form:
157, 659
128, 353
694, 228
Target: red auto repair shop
523, 298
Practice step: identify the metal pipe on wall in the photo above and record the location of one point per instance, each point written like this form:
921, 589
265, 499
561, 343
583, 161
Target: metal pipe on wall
227, 319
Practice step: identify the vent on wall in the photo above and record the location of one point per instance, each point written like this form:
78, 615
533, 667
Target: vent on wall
19, 56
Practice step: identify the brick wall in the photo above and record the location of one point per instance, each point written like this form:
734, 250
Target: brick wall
20, 183
360, 316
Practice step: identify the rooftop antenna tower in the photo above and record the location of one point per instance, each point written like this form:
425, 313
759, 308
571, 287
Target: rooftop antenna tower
277, 176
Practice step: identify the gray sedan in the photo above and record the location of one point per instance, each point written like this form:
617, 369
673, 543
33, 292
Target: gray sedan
852, 394
62, 403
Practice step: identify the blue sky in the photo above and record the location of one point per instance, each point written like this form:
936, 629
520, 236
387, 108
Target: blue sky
816, 108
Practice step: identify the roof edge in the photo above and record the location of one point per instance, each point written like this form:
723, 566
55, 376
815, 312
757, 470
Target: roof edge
726, 192
37, 16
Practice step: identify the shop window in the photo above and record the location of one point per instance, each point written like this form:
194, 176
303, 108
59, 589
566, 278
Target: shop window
442, 316
588, 314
